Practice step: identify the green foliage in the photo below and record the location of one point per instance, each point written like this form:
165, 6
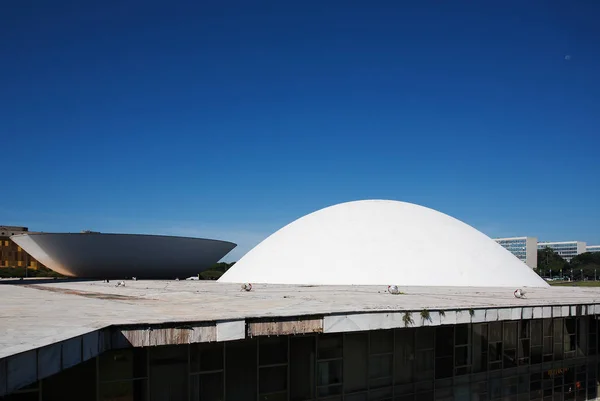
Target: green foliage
588, 263
442, 313
215, 271
425, 315
550, 261
471, 312
407, 319
584, 266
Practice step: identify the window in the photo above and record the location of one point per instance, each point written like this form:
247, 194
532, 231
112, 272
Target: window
329, 365
355, 362
169, 372
241, 371
444, 351
302, 368
206, 371
480, 347
381, 359
272, 372
510, 344
404, 344
123, 375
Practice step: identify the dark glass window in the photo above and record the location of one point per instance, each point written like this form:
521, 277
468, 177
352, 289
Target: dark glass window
355, 362
330, 346
205, 357
302, 368
462, 334
123, 364
207, 387
241, 366
272, 350
382, 341
404, 357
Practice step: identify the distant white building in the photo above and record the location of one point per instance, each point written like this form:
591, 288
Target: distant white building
566, 249
524, 248
593, 248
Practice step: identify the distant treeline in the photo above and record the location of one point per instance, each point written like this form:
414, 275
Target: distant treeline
215, 271
583, 266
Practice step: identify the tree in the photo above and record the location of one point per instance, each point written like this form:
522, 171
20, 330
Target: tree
550, 263
215, 271
588, 263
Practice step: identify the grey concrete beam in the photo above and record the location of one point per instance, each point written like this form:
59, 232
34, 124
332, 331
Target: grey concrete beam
21, 370
49, 360
231, 330
71, 352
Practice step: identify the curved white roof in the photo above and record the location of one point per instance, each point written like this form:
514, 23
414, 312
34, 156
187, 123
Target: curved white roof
380, 242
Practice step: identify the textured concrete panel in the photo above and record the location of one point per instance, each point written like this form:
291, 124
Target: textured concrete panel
491, 315
449, 317
527, 313
285, 327
231, 330
547, 312
463, 316
479, 316
516, 313
21, 370
557, 311
90, 345
538, 312
565, 310
504, 314
71, 352
364, 321
49, 360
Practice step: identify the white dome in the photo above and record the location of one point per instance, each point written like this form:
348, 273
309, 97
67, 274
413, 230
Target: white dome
380, 242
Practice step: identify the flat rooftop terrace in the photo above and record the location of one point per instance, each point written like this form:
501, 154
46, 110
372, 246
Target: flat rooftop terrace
77, 320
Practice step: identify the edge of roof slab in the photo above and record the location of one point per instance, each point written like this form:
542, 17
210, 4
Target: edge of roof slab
25, 367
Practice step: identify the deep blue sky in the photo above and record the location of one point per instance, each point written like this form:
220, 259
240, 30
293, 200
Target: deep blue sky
230, 119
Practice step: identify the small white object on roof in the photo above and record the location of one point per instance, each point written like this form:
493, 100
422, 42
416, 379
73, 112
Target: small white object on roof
519, 293
246, 287
377, 242
393, 289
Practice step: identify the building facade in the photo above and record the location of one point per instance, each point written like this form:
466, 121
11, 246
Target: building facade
550, 359
567, 249
524, 248
593, 248
12, 255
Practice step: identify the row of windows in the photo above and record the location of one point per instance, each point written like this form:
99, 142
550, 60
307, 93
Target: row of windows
540, 360
559, 246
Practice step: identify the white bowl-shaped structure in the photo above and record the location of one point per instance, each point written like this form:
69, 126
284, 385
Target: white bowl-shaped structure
96, 255
380, 242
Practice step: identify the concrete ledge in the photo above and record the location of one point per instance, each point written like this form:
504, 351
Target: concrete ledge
21, 370
231, 330
285, 327
163, 335
71, 352
49, 360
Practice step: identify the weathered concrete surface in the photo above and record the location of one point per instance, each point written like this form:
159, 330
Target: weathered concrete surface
42, 314
45, 328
